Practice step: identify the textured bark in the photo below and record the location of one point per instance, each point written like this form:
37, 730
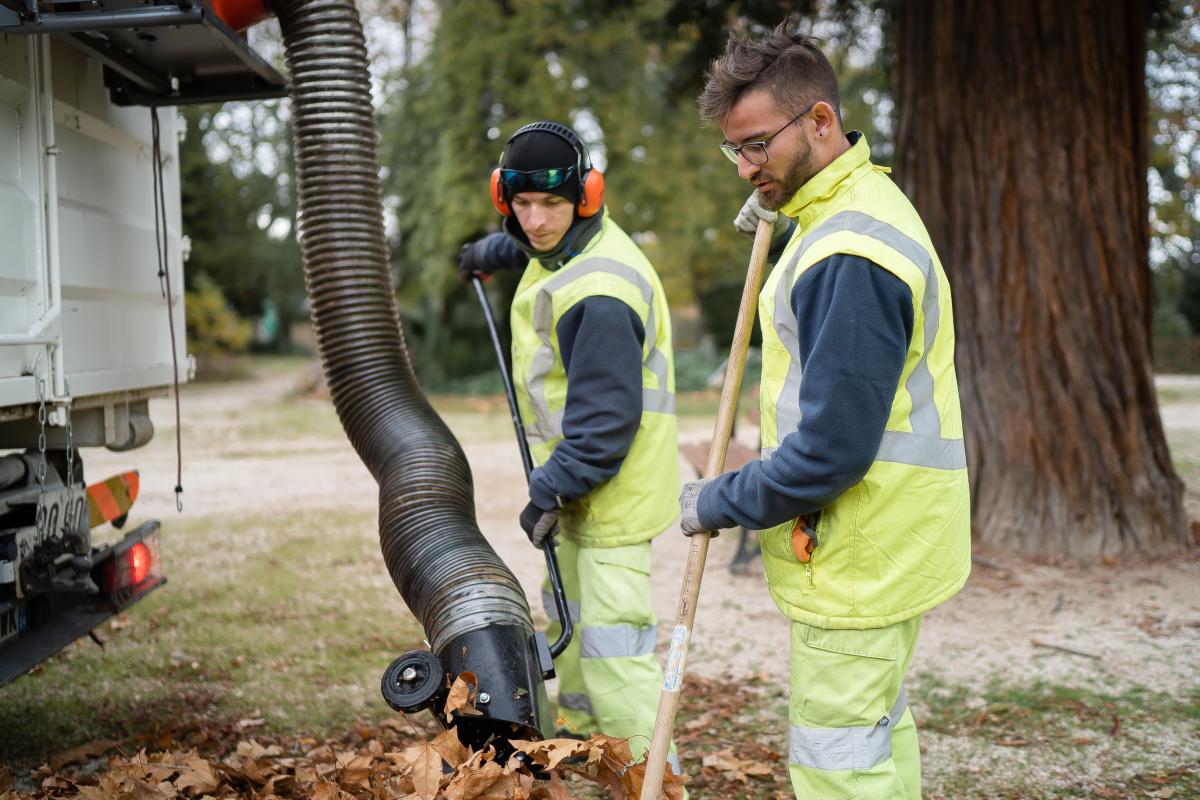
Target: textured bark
1022, 142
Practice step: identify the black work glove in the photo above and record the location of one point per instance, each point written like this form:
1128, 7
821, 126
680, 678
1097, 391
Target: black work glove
468, 263
539, 524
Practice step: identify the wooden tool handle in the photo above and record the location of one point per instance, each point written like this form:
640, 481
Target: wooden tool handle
689, 593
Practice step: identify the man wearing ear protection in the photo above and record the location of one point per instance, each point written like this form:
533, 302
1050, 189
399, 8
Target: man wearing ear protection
595, 381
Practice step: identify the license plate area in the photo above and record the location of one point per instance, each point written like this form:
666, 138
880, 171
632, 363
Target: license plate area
12, 621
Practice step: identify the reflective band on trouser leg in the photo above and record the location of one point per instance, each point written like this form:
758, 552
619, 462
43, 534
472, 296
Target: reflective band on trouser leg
573, 703
617, 636
851, 732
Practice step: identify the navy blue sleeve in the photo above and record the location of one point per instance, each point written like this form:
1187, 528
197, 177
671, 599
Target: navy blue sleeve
600, 339
855, 322
498, 251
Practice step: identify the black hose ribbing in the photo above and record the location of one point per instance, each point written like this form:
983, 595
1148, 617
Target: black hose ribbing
445, 570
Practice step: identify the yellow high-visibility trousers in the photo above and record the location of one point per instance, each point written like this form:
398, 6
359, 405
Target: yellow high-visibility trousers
851, 733
609, 679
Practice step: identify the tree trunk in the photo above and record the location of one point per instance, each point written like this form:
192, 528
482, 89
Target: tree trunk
1022, 141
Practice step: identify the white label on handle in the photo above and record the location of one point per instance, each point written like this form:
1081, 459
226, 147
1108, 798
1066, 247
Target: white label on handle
675, 659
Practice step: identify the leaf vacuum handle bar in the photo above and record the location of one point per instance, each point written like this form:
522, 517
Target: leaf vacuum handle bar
556, 584
689, 593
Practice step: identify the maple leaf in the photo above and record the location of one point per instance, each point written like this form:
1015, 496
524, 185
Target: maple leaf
448, 745
356, 771
197, 778
426, 769
462, 696
549, 753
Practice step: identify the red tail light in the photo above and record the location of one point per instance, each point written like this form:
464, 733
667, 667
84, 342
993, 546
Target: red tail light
133, 567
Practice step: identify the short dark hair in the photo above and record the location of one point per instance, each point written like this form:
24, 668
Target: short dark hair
789, 65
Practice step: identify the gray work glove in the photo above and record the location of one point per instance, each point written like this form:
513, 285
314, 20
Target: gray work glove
752, 211
539, 524
689, 500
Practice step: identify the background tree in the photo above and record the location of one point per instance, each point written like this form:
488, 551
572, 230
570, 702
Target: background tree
1022, 140
238, 209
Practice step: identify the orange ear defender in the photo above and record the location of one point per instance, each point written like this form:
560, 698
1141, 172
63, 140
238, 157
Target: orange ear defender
591, 180
499, 202
591, 194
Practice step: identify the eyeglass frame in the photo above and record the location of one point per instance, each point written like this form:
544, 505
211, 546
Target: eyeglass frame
733, 153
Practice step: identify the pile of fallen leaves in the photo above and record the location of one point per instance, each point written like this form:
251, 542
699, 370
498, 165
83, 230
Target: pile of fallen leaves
441, 768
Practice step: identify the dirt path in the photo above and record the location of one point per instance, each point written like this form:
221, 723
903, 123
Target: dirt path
1140, 620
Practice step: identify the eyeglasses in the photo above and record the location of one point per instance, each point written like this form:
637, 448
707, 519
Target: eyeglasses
540, 180
756, 152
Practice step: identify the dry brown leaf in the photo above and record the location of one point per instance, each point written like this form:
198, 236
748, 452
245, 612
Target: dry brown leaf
462, 696
329, 791
557, 788
550, 752
357, 773
197, 777
249, 748
451, 749
81, 754
426, 769
488, 781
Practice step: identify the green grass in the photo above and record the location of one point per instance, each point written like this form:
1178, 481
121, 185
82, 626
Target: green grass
291, 619
1185, 452
1047, 740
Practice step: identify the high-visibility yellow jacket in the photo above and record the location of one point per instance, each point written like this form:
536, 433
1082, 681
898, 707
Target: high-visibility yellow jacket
639, 502
898, 542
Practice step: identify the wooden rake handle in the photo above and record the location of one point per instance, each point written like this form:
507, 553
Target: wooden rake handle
689, 593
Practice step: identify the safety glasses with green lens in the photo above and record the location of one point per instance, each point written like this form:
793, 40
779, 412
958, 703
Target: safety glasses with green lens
535, 180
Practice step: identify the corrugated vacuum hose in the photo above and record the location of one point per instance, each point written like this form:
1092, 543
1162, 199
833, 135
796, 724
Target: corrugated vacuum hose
473, 610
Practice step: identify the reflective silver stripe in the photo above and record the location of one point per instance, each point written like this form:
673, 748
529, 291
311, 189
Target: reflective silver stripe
616, 641
552, 610
546, 425
923, 417
846, 748
575, 702
924, 451
673, 760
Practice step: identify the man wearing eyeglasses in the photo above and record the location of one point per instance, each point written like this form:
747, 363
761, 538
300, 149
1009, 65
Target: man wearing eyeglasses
595, 381
861, 495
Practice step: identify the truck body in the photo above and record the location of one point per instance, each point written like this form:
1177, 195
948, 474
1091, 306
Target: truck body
91, 289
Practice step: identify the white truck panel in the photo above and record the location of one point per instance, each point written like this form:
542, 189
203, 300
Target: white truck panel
115, 334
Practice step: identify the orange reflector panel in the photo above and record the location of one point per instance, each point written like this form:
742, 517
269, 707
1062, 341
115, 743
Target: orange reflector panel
111, 498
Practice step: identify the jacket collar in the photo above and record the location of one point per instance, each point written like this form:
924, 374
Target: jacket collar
840, 174
573, 242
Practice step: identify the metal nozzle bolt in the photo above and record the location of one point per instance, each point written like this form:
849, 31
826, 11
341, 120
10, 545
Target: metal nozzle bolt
409, 674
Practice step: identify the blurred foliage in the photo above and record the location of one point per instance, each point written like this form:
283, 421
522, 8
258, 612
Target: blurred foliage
235, 168
454, 79
213, 327
1173, 81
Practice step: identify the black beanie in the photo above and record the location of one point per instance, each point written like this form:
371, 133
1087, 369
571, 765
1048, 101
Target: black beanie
544, 150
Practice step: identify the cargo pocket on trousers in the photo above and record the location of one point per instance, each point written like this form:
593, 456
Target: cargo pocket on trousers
620, 590
846, 677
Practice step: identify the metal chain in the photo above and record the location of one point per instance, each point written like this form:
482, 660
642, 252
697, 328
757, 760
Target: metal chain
40, 516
